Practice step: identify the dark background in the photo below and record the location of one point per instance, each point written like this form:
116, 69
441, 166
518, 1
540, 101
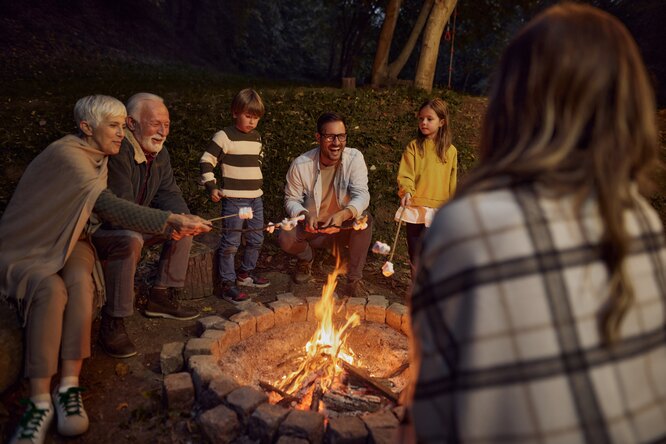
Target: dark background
308, 41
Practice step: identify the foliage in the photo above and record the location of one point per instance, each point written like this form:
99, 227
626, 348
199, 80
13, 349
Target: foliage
379, 122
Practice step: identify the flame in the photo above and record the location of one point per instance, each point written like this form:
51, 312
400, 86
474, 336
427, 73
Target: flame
327, 346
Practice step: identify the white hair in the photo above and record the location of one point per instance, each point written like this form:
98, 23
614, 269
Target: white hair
93, 109
135, 102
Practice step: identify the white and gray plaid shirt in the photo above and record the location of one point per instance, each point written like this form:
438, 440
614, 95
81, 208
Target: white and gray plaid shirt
505, 317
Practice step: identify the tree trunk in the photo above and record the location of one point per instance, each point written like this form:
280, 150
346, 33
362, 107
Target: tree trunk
380, 65
396, 66
432, 36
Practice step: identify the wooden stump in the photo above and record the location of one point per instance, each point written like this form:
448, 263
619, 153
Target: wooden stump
199, 282
349, 83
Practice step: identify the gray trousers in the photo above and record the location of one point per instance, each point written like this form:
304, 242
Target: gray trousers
300, 243
120, 251
60, 316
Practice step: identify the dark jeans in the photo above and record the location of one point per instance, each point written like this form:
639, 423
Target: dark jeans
231, 240
120, 251
300, 243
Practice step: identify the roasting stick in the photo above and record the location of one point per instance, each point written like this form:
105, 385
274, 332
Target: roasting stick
397, 234
243, 213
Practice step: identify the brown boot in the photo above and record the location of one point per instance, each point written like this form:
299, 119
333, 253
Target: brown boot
303, 271
164, 303
114, 338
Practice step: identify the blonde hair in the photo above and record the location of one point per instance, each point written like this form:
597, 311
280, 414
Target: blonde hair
248, 101
572, 109
443, 137
93, 109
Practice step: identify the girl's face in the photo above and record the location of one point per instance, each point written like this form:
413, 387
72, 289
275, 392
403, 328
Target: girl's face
429, 122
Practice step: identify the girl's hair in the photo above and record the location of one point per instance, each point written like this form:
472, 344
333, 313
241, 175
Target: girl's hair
443, 137
571, 108
93, 109
248, 101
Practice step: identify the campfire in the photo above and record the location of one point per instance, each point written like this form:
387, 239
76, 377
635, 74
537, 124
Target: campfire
325, 374
327, 365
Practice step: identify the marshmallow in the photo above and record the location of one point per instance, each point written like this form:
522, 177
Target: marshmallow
360, 225
381, 248
270, 227
245, 212
288, 224
387, 269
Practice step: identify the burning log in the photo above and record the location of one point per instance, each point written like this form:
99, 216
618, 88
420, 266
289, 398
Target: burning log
374, 383
286, 397
345, 402
316, 398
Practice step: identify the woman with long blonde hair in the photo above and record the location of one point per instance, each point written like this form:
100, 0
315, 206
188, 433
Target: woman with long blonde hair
539, 308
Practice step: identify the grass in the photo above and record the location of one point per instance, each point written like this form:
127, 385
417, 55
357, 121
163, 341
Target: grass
37, 110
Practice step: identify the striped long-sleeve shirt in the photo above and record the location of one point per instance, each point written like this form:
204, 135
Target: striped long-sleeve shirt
240, 156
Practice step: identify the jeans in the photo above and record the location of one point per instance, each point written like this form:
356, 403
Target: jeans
300, 243
231, 240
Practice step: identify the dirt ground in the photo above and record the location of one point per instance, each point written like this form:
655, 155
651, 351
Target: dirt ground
123, 397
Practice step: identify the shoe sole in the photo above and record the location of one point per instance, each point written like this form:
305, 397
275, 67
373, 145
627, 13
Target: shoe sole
253, 285
155, 314
117, 355
237, 302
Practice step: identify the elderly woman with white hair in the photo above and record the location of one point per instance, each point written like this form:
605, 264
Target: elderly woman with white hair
47, 262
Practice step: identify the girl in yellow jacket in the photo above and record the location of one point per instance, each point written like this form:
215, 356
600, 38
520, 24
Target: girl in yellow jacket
428, 173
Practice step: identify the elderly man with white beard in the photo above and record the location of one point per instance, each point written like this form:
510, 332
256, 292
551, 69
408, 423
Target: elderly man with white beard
142, 173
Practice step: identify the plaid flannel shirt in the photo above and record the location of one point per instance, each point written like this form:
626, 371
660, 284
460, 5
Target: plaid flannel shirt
505, 315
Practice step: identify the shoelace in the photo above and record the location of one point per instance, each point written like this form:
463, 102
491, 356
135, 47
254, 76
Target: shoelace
71, 400
32, 419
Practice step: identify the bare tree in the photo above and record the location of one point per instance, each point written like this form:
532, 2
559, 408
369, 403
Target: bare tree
432, 36
383, 72
436, 14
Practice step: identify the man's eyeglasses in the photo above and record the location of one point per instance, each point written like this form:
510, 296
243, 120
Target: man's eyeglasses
330, 137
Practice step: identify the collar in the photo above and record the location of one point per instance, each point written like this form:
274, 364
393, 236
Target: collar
139, 155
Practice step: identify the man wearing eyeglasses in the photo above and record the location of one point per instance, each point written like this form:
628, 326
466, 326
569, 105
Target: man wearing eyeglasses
329, 186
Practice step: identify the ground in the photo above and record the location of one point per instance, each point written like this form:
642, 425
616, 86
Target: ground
124, 396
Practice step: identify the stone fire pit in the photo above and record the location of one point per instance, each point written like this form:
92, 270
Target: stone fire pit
204, 376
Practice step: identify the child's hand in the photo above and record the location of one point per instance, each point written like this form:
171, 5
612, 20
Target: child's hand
216, 195
406, 200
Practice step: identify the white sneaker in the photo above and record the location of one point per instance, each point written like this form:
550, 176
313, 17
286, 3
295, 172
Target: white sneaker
34, 424
72, 417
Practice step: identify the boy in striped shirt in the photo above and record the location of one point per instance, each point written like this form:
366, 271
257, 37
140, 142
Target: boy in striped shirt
238, 151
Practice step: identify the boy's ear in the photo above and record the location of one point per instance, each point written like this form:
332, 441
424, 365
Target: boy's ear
86, 128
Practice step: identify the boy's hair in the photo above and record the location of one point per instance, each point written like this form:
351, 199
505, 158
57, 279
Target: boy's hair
135, 103
443, 137
248, 101
93, 109
327, 118
572, 109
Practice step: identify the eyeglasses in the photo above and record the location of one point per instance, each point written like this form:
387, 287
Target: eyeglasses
330, 137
